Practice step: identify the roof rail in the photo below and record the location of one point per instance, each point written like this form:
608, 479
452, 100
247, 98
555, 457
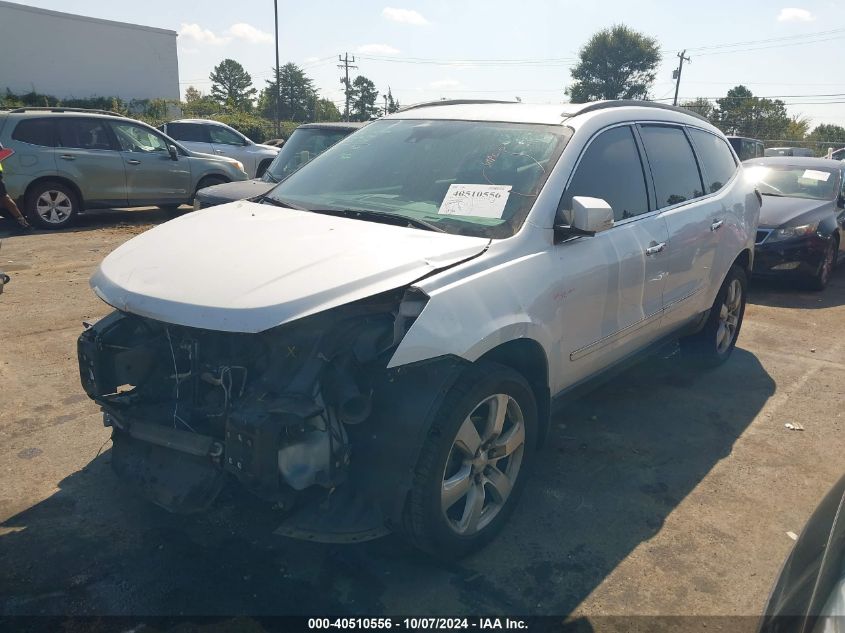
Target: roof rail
61, 109
581, 108
447, 102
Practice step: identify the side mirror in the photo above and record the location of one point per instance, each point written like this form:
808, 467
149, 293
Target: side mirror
174, 154
587, 217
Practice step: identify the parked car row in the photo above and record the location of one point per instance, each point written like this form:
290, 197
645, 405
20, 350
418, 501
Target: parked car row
67, 160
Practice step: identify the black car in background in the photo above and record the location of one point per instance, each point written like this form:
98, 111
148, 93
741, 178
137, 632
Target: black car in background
746, 148
306, 142
802, 219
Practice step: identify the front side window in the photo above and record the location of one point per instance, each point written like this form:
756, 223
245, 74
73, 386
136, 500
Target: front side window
134, 138
79, 133
222, 136
190, 132
465, 177
716, 158
36, 132
611, 169
673, 166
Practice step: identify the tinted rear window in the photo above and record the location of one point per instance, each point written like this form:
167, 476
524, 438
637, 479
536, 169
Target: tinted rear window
82, 133
36, 132
190, 132
673, 166
716, 158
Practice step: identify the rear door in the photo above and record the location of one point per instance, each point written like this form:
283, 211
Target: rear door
88, 155
695, 215
152, 176
193, 136
611, 297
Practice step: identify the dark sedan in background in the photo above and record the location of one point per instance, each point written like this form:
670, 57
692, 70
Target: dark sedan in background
802, 219
305, 143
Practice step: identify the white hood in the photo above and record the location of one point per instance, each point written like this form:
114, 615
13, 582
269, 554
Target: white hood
247, 267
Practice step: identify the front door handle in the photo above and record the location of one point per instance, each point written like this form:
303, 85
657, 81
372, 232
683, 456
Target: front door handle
133, 161
67, 157
218, 151
717, 224
657, 248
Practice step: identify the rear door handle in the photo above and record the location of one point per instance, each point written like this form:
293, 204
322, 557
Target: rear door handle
657, 248
717, 224
133, 161
67, 157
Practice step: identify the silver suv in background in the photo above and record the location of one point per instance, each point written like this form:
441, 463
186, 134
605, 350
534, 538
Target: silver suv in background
213, 137
67, 160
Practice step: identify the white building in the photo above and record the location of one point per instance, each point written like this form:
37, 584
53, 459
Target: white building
68, 55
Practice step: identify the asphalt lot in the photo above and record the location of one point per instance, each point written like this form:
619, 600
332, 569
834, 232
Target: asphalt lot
663, 493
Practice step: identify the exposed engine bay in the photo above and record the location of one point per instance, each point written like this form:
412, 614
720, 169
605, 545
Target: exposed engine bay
278, 410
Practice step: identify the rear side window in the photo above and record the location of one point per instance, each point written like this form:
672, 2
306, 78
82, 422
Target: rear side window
716, 158
82, 133
36, 132
611, 169
190, 132
673, 166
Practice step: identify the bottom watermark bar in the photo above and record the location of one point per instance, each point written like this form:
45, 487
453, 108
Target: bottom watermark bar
532, 624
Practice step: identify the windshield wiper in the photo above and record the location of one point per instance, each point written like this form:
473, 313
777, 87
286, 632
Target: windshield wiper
382, 215
271, 177
278, 203
776, 195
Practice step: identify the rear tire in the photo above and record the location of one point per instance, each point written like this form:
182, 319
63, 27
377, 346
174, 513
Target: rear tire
820, 280
713, 344
52, 205
473, 463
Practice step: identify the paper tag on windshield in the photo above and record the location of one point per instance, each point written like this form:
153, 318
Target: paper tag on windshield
480, 201
814, 174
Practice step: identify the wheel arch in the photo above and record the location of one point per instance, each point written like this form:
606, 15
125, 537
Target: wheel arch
745, 260
528, 358
59, 179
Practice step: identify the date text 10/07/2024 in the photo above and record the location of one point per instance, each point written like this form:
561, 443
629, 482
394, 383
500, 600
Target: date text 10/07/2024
435, 624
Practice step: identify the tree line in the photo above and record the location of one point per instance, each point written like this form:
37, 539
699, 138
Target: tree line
621, 63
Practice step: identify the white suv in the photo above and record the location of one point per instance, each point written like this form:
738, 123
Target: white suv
379, 340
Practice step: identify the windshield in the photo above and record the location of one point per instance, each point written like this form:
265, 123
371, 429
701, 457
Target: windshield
303, 145
464, 177
794, 182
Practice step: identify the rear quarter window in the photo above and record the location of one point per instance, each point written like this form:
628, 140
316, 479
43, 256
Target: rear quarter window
716, 158
36, 132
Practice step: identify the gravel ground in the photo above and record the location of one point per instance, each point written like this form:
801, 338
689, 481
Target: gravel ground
665, 492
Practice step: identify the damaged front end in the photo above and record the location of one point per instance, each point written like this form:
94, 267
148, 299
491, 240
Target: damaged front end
283, 411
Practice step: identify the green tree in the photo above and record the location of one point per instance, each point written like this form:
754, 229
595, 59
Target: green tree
701, 106
296, 95
797, 128
392, 104
192, 95
327, 110
743, 114
828, 134
231, 85
617, 63
363, 99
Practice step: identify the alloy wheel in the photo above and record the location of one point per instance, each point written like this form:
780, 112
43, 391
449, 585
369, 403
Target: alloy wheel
483, 464
54, 206
729, 317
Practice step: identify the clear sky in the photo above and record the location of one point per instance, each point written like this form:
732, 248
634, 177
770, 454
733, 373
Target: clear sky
507, 49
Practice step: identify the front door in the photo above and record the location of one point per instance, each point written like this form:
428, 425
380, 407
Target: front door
152, 176
611, 297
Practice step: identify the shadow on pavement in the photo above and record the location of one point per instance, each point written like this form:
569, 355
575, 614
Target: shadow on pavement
778, 293
98, 219
616, 464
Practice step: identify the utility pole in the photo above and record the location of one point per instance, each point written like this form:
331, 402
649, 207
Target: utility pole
278, 87
345, 79
385, 105
676, 75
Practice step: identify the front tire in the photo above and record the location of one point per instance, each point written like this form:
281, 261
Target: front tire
713, 344
474, 462
822, 277
52, 205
